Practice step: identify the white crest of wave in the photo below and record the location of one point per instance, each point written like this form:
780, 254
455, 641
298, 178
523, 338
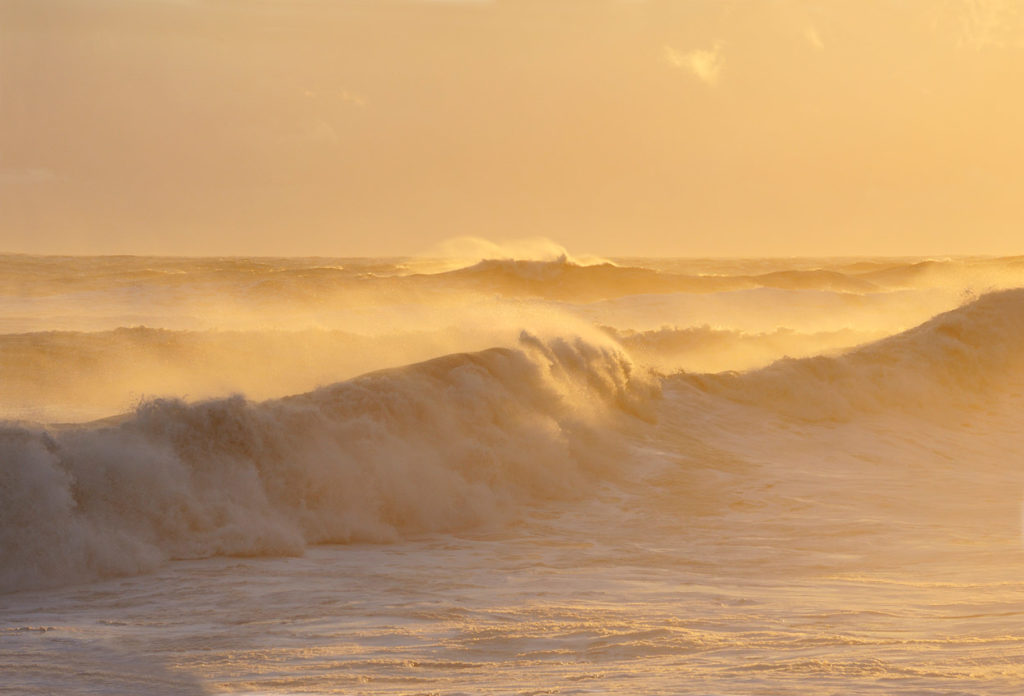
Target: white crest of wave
457, 441
459, 252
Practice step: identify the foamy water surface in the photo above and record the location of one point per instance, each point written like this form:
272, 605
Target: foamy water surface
285, 476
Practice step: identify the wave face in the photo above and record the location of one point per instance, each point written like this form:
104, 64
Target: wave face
454, 442
511, 475
962, 357
232, 445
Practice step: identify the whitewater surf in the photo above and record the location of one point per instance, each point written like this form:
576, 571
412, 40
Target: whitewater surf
523, 475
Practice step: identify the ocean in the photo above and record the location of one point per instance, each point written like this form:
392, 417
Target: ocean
511, 476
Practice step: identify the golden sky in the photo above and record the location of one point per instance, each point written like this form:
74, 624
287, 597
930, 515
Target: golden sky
374, 127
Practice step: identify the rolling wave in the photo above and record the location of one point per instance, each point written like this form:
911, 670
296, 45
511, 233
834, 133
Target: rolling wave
134, 282
960, 358
458, 441
440, 445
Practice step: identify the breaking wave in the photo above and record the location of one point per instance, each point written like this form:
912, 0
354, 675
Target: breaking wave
564, 279
960, 358
453, 442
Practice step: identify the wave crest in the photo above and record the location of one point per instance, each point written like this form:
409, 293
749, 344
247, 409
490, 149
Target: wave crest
956, 359
450, 443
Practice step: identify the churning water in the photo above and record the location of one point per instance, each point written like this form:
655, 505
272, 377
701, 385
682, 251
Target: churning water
319, 476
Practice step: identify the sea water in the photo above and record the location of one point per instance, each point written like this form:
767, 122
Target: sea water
412, 476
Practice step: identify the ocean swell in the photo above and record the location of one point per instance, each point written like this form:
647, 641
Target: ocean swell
454, 442
956, 360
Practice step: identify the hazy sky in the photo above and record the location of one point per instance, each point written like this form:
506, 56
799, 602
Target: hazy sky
350, 127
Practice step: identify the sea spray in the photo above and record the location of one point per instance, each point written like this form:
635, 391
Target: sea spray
959, 359
453, 442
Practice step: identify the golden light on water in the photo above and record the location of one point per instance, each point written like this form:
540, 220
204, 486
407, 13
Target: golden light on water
508, 346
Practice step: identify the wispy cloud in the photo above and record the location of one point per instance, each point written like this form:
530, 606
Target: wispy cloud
704, 64
988, 23
353, 98
813, 37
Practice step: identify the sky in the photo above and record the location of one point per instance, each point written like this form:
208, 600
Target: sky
616, 127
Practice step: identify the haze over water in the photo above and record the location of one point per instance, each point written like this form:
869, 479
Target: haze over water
298, 397
424, 475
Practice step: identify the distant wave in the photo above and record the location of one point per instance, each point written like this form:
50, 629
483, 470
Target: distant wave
708, 349
562, 279
131, 284
456, 441
959, 358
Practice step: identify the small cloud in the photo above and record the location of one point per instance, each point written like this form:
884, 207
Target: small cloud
813, 37
988, 23
357, 100
705, 65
